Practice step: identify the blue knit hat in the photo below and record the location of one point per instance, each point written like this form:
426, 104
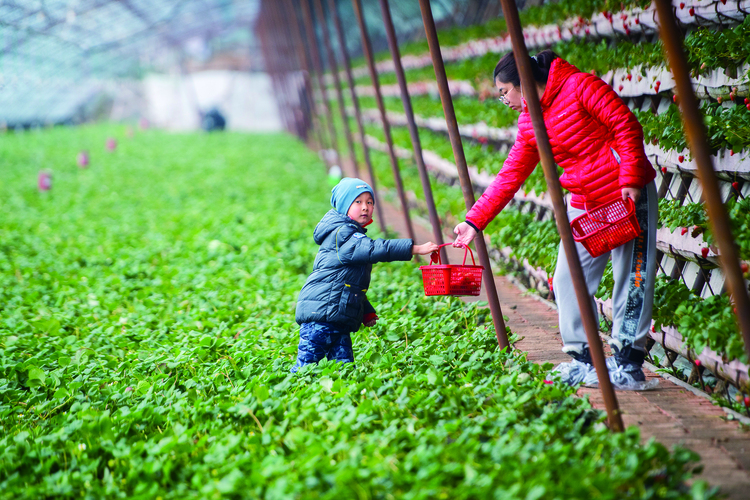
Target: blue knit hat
346, 191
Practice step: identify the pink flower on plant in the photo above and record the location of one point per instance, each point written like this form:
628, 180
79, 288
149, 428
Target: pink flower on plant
44, 182
83, 159
111, 144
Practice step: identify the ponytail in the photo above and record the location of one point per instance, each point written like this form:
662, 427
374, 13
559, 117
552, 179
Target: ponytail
507, 72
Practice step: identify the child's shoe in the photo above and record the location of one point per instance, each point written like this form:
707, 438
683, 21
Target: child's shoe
580, 370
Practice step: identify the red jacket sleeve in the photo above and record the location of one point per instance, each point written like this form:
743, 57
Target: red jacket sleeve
521, 161
604, 105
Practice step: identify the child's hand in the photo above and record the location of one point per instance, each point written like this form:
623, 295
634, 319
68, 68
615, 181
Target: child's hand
370, 319
425, 248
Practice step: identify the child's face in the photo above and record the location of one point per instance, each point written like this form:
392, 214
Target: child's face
361, 209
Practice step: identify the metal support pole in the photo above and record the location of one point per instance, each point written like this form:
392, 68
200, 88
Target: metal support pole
315, 54
337, 83
390, 32
357, 112
367, 49
696, 134
294, 30
554, 189
463, 171
297, 28
282, 64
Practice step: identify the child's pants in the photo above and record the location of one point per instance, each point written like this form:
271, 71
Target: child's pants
323, 340
634, 270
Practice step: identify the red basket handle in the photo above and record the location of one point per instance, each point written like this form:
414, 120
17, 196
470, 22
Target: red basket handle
435, 256
630, 206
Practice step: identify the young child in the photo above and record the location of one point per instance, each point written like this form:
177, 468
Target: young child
333, 302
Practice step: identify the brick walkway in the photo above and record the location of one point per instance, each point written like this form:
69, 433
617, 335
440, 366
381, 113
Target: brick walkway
671, 414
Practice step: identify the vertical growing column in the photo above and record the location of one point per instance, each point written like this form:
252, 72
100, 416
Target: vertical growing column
696, 134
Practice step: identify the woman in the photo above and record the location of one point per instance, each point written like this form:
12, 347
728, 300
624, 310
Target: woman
598, 142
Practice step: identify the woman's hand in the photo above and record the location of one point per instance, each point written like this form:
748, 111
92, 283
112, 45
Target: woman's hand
425, 248
632, 193
465, 234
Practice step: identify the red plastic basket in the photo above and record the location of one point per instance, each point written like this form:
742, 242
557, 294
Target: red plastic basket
446, 279
606, 227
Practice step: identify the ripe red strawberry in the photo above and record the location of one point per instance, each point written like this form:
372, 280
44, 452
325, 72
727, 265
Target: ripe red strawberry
653, 328
747, 101
719, 99
691, 11
683, 231
697, 362
588, 31
682, 5
627, 30
637, 21
681, 158
657, 85
675, 99
724, 2
663, 170
731, 152
744, 267
621, 87
748, 107
747, 401
629, 77
704, 252
731, 96
736, 186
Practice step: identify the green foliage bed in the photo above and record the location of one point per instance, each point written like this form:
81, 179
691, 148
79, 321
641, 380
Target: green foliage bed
147, 330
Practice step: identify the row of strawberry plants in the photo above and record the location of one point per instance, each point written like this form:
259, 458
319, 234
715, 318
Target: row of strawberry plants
708, 48
726, 127
693, 219
468, 110
534, 16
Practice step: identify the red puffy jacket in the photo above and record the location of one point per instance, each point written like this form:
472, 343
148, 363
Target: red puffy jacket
586, 120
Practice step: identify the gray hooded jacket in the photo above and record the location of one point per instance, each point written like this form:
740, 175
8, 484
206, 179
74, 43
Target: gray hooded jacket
336, 290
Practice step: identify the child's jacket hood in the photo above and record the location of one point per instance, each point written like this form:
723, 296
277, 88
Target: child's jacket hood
331, 222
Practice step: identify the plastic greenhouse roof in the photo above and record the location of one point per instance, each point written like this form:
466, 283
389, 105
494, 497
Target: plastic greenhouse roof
56, 54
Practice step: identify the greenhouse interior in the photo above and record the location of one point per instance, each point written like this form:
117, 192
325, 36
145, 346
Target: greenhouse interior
508, 256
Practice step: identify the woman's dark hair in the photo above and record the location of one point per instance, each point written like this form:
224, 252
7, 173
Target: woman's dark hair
507, 72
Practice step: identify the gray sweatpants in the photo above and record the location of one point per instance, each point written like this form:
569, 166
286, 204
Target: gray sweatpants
634, 269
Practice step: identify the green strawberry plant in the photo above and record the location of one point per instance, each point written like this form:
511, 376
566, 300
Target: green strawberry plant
147, 332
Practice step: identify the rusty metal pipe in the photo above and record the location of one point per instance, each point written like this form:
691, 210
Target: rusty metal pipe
317, 64
696, 134
367, 49
390, 32
337, 83
357, 112
304, 65
274, 20
554, 189
463, 171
